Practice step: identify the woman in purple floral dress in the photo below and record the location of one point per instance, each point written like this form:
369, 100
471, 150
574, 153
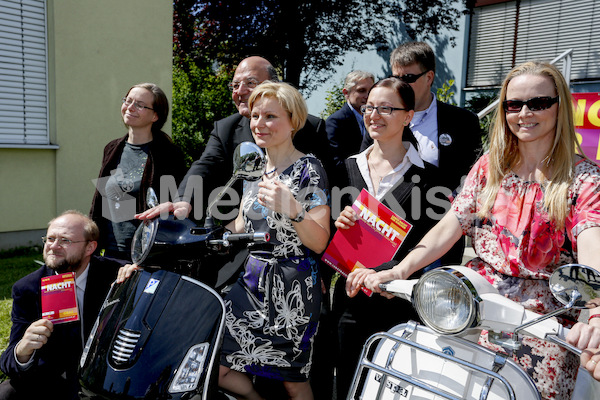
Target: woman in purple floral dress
273, 309
530, 205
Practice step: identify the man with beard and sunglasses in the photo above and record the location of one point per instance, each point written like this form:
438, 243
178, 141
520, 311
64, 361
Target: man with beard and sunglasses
42, 358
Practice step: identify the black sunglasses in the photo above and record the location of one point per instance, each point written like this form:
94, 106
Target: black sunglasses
534, 104
410, 78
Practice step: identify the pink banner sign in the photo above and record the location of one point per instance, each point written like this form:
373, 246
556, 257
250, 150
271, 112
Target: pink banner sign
587, 123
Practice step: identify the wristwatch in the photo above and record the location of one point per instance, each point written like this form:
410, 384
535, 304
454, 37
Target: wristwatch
299, 217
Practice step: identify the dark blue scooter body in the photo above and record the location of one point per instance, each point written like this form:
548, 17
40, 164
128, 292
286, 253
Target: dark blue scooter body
158, 334
153, 332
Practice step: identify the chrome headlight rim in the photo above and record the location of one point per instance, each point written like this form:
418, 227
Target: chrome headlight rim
143, 239
468, 291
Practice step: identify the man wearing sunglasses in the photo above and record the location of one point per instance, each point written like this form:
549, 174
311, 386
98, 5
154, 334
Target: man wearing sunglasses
449, 137
42, 358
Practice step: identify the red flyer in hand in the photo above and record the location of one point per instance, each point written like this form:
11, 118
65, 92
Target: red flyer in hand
59, 298
374, 239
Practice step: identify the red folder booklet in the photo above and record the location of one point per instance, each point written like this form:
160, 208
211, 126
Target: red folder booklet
374, 239
59, 298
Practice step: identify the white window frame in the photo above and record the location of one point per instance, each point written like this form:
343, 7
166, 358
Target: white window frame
24, 113
502, 36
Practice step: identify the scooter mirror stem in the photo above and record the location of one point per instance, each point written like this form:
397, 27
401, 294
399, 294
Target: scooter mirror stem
209, 222
216, 200
555, 339
575, 296
249, 164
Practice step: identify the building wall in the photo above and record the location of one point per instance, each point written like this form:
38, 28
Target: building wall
96, 51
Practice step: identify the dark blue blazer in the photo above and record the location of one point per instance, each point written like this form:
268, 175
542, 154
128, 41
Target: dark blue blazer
54, 368
344, 135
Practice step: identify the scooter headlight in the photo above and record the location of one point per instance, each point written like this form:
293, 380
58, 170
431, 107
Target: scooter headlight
446, 301
143, 239
191, 368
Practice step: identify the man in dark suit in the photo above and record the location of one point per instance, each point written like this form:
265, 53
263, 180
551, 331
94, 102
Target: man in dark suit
215, 165
449, 137
345, 127
42, 358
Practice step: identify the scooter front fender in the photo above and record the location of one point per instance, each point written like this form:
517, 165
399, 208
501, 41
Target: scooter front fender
144, 331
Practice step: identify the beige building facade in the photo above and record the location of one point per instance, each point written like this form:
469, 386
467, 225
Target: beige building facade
94, 52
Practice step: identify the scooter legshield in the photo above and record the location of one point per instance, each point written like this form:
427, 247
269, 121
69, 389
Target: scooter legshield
144, 330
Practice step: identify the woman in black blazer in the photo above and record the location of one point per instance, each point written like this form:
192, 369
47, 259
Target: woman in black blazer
393, 172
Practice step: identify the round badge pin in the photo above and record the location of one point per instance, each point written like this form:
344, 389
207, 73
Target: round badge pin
445, 139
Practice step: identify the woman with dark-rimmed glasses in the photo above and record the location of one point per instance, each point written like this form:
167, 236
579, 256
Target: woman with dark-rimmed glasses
392, 171
131, 165
530, 205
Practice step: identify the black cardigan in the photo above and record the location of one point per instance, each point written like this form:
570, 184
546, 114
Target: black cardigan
164, 158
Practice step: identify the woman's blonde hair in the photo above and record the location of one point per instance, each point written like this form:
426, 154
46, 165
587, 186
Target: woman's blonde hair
504, 150
288, 97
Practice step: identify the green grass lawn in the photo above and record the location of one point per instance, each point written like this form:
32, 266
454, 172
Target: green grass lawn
5, 307
14, 264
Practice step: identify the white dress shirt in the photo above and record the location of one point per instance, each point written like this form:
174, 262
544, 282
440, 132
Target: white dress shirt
425, 128
388, 181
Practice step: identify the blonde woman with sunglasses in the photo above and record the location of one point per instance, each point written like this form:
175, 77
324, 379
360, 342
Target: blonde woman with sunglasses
530, 205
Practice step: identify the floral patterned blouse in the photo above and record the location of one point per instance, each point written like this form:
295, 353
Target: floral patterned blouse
307, 181
518, 239
518, 248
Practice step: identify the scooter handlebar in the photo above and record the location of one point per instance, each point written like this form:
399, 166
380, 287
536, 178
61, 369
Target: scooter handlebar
256, 237
399, 288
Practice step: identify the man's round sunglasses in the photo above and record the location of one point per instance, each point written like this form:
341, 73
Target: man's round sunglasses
533, 104
409, 78
250, 84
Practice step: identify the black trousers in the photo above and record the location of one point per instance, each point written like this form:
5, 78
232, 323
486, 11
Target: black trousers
324, 352
7, 391
359, 318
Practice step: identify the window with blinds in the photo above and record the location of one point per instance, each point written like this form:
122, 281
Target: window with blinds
23, 76
506, 34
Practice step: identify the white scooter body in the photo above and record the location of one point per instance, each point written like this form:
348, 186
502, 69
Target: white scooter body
436, 367
412, 361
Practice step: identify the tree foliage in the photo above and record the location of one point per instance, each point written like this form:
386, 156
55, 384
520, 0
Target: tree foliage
445, 93
477, 103
200, 97
304, 39
334, 100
